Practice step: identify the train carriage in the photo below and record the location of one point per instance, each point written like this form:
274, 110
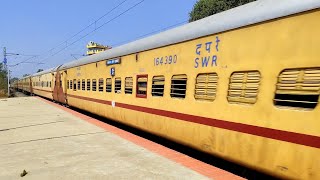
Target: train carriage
243, 85
25, 85
43, 83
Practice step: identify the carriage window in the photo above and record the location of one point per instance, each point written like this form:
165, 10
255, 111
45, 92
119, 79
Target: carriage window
117, 85
68, 85
79, 84
88, 85
158, 85
50, 84
128, 85
178, 86
299, 88
108, 85
83, 85
74, 84
244, 87
94, 85
142, 84
206, 87
101, 85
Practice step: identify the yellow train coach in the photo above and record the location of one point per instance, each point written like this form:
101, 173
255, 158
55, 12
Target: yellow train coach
24, 85
243, 85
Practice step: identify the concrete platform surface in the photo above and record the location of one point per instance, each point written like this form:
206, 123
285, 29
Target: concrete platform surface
51, 143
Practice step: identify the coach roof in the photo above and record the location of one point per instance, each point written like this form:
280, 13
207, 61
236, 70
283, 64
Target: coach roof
255, 12
44, 72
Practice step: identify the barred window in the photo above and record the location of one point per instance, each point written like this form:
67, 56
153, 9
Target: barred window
83, 86
128, 85
244, 87
94, 85
158, 85
206, 87
298, 88
79, 84
142, 84
178, 86
108, 85
88, 84
100, 85
117, 85
70, 85
74, 84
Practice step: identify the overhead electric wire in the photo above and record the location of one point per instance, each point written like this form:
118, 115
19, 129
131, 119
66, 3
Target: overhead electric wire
68, 45
94, 22
152, 32
99, 27
24, 61
114, 8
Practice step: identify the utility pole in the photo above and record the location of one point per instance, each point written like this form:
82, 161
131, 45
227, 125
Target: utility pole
5, 62
7, 67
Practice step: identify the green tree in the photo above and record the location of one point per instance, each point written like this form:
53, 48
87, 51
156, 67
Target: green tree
25, 75
3, 79
205, 8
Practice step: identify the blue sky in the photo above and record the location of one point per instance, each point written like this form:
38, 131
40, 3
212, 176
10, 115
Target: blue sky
34, 27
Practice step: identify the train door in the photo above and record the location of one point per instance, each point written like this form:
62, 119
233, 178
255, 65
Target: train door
30, 85
58, 94
64, 79
53, 80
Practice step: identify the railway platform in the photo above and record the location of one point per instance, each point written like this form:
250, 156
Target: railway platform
50, 141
